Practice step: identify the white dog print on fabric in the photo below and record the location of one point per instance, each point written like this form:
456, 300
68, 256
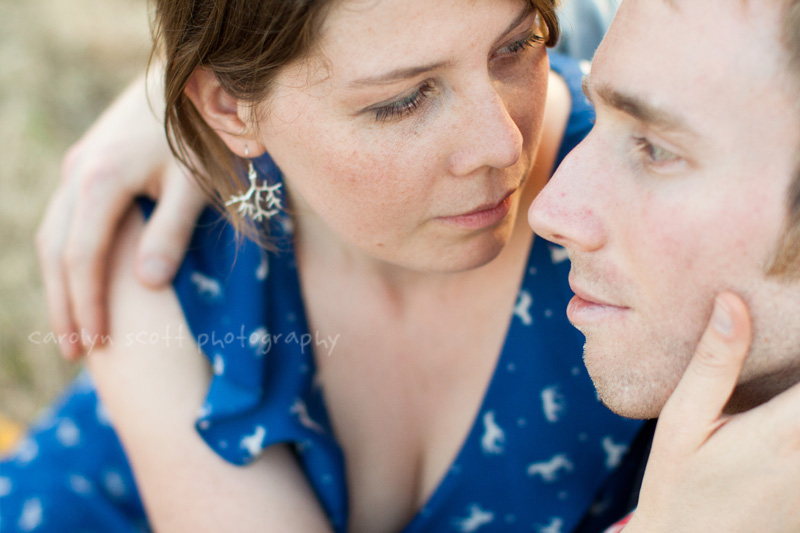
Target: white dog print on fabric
67, 433
554, 526
102, 415
31, 516
219, 365
254, 443
26, 451
477, 518
558, 254
204, 410
114, 484
523, 307
80, 485
548, 470
493, 436
259, 340
552, 403
263, 268
614, 452
207, 287
5, 486
299, 409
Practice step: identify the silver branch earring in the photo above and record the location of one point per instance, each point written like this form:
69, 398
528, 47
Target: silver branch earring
260, 200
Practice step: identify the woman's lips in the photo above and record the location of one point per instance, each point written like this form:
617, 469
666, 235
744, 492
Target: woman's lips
483, 216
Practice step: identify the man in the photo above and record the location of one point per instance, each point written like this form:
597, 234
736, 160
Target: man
688, 186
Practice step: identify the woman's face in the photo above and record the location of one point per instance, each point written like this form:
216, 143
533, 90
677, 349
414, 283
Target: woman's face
409, 135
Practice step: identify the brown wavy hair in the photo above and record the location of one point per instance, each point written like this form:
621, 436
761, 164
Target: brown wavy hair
245, 44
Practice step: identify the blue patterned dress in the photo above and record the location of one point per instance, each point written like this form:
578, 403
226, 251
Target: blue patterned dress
542, 455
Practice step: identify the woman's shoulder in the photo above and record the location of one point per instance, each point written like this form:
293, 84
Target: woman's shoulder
147, 347
152, 377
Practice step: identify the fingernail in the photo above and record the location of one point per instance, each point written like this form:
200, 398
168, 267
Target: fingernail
721, 318
155, 271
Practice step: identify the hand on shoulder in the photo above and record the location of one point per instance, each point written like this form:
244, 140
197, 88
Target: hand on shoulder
123, 155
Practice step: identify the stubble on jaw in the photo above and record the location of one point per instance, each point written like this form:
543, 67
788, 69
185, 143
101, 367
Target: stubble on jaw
634, 378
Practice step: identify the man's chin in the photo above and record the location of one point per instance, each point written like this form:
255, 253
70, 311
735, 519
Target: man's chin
626, 393
631, 409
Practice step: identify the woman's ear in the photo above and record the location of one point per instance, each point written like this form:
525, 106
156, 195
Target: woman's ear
221, 112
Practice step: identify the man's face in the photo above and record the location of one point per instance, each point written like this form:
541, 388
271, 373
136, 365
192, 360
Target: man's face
678, 193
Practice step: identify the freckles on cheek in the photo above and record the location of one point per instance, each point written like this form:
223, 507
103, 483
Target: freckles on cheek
362, 175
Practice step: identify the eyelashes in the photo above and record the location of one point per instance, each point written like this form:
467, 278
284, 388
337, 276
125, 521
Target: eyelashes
407, 104
518, 46
653, 153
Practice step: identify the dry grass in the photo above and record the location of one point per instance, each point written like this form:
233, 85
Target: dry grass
61, 63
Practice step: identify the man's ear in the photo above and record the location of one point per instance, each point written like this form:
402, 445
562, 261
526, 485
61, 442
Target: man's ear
221, 112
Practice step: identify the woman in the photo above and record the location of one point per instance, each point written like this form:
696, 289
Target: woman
448, 393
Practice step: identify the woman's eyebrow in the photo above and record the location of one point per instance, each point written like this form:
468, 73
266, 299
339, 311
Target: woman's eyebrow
404, 73
399, 74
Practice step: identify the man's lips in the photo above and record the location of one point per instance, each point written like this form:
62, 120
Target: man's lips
587, 296
586, 307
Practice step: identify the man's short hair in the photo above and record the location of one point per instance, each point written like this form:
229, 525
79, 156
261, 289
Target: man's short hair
787, 259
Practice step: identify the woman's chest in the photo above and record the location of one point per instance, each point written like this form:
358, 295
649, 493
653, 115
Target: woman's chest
404, 384
402, 400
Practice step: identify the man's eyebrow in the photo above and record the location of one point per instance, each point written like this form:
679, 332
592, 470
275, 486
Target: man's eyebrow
411, 72
634, 106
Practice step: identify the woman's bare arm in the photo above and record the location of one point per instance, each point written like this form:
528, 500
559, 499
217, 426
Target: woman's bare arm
153, 393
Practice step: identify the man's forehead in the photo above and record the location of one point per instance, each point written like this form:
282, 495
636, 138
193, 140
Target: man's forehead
704, 39
692, 63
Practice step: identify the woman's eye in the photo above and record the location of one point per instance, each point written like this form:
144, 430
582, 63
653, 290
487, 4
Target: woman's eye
405, 105
517, 47
655, 153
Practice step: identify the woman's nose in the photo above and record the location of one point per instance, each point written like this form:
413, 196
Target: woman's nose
489, 137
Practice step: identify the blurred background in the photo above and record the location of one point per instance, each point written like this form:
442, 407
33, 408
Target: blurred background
61, 63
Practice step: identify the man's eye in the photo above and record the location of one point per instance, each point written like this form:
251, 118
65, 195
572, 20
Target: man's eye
661, 155
653, 152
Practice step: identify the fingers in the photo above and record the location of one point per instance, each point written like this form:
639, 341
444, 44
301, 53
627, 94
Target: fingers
113, 162
167, 234
711, 376
101, 201
51, 239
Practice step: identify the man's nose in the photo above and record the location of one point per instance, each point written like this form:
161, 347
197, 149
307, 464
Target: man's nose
568, 211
